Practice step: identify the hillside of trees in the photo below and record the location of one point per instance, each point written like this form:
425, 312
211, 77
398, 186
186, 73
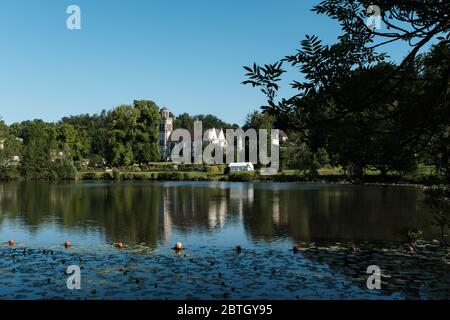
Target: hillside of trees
124, 136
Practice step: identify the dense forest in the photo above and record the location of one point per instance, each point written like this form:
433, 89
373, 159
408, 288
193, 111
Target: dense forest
126, 135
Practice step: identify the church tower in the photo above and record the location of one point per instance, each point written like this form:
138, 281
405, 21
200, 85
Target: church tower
165, 129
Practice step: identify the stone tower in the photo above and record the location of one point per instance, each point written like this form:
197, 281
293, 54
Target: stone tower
165, 130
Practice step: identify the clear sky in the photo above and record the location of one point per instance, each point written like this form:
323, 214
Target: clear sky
185, 54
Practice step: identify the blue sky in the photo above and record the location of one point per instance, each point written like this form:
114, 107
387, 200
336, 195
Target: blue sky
187, 55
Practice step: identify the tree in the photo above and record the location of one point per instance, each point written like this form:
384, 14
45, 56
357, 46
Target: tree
133, 134
3, 129
39, 140
64, 169
10, 154
93, 133
72, 141
307, 161
438, 200
257, 120
184, 121
436, 83
146, 147
383, 111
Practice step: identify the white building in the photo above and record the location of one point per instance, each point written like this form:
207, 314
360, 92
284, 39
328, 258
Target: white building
165, 129
216, 137
241, 166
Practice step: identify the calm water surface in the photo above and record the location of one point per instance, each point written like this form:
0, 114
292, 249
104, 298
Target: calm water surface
211, 218
222, 214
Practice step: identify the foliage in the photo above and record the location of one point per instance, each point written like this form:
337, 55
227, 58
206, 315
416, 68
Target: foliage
305, 160
106, 176
89, 176
9, 155
368, 114
170, 176
36, 162
65, 169
438, 199
72, 141
242, 176
116, 174
257, 120
213, 169
186, 121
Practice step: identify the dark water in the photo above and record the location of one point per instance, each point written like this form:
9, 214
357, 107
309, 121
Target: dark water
210, 219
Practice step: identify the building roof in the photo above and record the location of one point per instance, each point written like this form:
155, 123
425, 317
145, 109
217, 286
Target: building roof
221, 136
241, 164
215, 135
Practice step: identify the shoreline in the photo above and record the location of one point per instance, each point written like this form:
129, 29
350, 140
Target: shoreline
369, 180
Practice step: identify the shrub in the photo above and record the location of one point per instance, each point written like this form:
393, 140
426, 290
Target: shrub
9, 173
89, 176
107, 176
309, 162
158, 167
170, 176
242, 176
438, 200
64, 169
187, 176
116, 174
189, 167
213, 169
127, 176
140, 176
77, 165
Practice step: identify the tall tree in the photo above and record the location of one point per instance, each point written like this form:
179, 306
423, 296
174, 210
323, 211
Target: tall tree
39, 142
133, 134
11, 149
73, 141
146, 147
386, 106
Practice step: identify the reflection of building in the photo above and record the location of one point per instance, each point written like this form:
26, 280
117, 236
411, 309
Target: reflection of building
240, 195
276, 207
165, 213
165, 129
217, 213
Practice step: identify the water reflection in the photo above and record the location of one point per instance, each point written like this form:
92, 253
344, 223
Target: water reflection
151, 212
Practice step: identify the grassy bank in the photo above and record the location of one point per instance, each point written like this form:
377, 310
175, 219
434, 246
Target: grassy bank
326, 175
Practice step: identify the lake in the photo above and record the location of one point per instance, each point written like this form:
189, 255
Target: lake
211, 219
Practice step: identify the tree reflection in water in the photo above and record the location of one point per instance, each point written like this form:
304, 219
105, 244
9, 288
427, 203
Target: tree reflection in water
149, 213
